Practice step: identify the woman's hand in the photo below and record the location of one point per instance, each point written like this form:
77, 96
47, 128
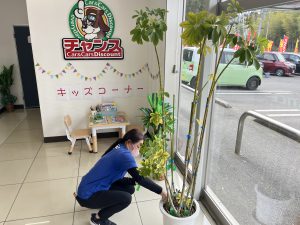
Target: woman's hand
164, 196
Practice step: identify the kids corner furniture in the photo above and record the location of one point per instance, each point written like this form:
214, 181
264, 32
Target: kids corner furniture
108, 123
73, 135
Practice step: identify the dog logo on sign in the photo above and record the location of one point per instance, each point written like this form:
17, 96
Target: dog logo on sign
92, 25
91, 19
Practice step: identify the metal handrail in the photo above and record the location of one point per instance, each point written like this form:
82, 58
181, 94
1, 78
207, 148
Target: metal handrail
281, 126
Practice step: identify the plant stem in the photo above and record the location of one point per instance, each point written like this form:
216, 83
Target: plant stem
198, 155
159, 73
170, 196
224, 69
172, 147
218, 63
214, 82
192, 117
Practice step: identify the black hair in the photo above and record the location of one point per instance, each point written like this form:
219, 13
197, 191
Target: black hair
133, 135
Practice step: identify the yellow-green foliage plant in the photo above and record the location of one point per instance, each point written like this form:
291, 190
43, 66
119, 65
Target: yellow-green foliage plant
151, 27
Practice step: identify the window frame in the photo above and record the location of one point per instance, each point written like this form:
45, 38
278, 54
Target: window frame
210, 201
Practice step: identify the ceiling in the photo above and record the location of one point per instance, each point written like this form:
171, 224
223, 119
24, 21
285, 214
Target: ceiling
258, 4
290, 6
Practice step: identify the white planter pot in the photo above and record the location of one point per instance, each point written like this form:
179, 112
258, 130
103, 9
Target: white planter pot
172, 220
269, 210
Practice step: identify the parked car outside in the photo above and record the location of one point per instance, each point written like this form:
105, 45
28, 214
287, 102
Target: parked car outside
236, 74
293, 58
275, 63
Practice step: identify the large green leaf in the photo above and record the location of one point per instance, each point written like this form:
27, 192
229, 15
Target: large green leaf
150, 26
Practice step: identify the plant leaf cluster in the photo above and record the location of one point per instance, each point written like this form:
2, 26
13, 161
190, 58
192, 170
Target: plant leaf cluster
150, 26
6, 81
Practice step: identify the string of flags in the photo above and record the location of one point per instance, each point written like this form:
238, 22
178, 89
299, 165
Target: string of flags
140, 71
69, 69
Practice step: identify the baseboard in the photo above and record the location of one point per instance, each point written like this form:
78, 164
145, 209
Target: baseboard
55, 139
2, 110
19, 106
64, 138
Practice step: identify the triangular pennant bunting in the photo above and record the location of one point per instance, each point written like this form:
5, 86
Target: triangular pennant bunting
106, 69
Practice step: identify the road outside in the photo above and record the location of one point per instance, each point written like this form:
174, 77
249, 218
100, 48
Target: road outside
269, 165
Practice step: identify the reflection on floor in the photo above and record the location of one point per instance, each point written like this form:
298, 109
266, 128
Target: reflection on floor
37, 179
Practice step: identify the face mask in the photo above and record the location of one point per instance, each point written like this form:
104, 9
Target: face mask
135, 152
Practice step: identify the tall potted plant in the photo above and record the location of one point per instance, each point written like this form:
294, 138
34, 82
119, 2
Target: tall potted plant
6, 81
210, 33
151, 27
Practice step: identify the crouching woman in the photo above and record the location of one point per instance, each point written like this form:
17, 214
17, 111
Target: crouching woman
104, 187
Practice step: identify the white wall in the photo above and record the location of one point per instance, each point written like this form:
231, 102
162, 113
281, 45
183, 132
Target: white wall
48, 22
173, 49
12, 12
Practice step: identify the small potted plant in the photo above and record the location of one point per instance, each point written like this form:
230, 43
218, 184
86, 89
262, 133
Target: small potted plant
6, 81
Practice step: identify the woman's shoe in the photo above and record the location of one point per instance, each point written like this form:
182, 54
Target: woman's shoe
95, 221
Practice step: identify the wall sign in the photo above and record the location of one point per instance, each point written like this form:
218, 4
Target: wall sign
92, 24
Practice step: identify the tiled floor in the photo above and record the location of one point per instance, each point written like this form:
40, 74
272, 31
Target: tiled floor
37, 179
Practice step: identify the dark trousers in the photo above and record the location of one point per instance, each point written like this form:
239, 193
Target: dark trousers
117, 198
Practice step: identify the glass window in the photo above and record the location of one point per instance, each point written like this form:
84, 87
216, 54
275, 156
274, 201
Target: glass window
227, 56
295, 58
269, 57
189, 67
287, 56
187, 55
258, 182
280, 57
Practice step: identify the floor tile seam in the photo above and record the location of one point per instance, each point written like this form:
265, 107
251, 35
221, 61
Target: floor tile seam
28, 129
81, 210
36, 217
12, 143
135, 197
87, 209
77, 182
16, 142
44, 157
150, 200
41, 128
139, 213
22, 184
4, 185
9, 160
41, 181
53, 156
12, 131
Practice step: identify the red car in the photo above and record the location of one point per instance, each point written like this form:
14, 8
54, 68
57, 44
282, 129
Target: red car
275, 63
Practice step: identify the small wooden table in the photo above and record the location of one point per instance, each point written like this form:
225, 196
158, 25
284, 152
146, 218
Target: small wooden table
108, 125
